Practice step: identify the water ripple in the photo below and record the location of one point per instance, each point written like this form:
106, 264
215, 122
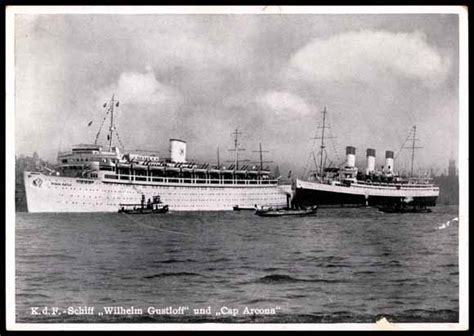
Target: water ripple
171, 274
278, 278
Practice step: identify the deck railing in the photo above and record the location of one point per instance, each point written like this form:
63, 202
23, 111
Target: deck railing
397, 184
189, 181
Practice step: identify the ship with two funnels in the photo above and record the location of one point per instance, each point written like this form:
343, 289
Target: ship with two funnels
96, 178
345, 185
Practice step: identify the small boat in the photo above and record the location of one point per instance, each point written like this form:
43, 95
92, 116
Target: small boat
270, 212
238, 208
151, 207
397, 209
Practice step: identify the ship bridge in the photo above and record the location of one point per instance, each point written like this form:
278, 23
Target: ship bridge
87, 157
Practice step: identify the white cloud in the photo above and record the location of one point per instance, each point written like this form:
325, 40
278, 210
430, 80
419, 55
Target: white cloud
192, 42
371, 56
141, 88
282, 102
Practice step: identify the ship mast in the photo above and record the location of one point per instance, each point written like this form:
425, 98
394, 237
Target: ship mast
323, 145
413, 150
413, 147
260, 151
236, 148
111, 128
110, 109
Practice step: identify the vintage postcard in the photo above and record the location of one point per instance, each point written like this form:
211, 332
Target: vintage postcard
237, 168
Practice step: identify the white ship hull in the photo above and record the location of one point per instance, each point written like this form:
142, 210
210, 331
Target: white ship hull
49, 193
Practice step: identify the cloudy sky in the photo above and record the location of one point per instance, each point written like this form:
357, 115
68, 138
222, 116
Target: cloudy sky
198, 77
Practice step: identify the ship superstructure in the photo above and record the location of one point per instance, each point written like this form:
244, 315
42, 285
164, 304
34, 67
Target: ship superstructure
346, 185
97, 178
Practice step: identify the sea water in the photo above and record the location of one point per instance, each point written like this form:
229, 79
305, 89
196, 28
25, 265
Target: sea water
342, 265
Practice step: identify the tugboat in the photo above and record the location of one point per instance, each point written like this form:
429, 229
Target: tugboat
391, 209
151, 207
270, 212
407, 206
239, 208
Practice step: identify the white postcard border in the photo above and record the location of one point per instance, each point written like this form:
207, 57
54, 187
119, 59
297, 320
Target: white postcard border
11, 11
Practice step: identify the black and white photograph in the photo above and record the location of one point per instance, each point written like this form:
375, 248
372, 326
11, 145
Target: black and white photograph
237, 168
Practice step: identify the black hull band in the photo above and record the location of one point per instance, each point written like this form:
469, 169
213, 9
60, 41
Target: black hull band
309, 197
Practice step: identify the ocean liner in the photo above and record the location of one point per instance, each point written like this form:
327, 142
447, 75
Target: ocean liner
345, 185
97, 178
